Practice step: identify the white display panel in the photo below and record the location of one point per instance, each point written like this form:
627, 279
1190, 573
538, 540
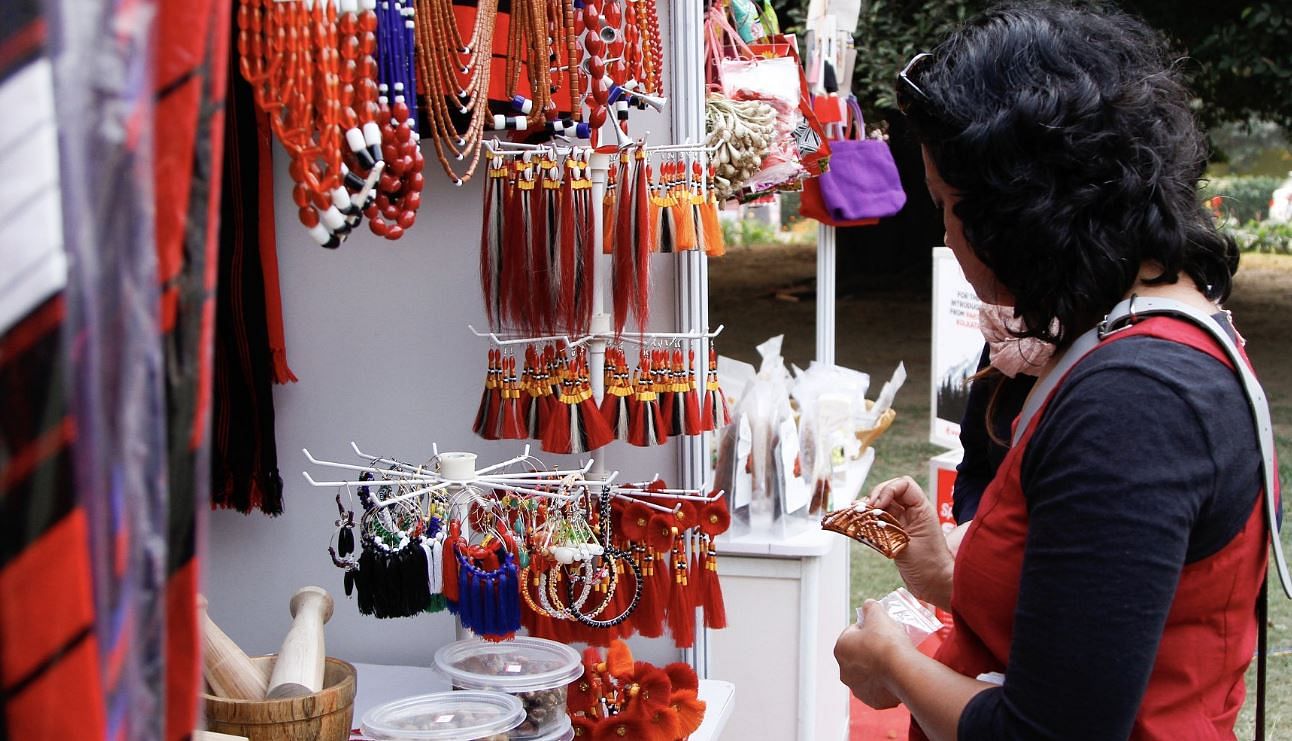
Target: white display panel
957, 347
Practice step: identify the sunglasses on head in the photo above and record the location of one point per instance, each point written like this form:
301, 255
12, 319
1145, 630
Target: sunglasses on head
908, 91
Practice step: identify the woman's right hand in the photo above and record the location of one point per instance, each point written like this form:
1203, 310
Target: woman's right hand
926, 563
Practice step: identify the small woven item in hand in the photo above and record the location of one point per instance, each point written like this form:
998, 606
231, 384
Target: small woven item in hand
868, 526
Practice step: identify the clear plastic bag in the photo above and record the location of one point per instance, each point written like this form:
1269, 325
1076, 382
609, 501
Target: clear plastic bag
774, 82
918, 620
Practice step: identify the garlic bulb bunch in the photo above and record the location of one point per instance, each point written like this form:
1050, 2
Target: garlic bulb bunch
742, 132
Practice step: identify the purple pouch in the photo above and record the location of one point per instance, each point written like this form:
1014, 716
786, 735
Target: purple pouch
862, 182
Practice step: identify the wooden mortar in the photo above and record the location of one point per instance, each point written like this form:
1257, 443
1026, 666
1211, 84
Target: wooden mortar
323, 716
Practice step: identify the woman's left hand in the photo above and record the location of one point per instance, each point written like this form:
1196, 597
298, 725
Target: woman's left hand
864, 653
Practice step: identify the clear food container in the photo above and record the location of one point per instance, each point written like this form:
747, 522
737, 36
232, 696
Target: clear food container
455, 716
563, 732
535, 670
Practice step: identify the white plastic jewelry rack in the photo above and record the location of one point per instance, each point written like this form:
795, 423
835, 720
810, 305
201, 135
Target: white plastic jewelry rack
640, 338
691, 495
449, 470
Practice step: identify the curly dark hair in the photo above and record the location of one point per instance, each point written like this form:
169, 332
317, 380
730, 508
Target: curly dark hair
1067, 133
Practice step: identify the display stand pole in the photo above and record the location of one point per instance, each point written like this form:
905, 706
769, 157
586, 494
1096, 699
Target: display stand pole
825, 293
598, 166
687, 80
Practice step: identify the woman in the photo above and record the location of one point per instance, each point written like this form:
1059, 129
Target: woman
1112, 570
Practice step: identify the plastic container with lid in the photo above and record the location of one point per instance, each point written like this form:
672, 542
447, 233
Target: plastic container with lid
535, 670
562, 732
445, 716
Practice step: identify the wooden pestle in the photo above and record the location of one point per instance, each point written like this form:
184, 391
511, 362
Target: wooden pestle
299, 668
225, 666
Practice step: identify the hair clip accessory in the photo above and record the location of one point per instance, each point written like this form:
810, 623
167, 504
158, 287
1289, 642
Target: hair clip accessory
869, 526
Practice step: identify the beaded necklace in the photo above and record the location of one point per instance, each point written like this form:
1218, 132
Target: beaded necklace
399, 191
452, 69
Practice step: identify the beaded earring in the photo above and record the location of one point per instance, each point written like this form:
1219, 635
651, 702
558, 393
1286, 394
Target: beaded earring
392, 578
488, 589
343, 552
612, 559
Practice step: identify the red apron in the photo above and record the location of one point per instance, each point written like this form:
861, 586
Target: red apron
1196, 687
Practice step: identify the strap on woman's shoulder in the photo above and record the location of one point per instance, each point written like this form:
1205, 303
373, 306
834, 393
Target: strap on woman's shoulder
1125, 316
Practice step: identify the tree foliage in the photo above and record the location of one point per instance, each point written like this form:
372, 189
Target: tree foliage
1238, 54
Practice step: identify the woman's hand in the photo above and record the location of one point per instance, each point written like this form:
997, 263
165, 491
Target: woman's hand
863, 652
926, 563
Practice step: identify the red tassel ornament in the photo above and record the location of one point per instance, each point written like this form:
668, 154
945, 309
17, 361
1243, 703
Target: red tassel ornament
690, 710
682, 677
640, 303
693, 420
714, 519
487, 415
585, 245
610, 210
681, 611
491, 239
615, 406
539, 293
646, 427
715, 415
565, 278
622, 258
513, 302
512, 426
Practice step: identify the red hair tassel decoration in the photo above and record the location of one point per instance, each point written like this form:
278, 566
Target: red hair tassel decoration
623, 258
659, 539
561, 431
565, 275
539, 389
649, 616
714, 520
514, 301
610, 208
491, 239
538, 261
640, 303
714, 245
662, 382
486, 424
615, 405
716, 415
596, 432
512, 425
681, 610
684, 210
646, 428
691, 398
576, 424
697, 200
584, 244
660, 217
